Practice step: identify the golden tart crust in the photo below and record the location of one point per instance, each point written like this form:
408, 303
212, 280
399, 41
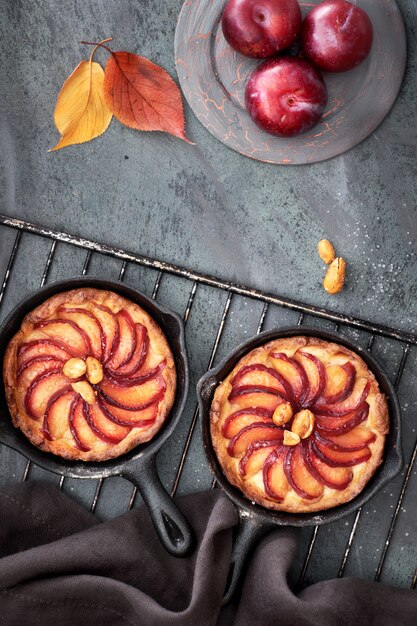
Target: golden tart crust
59, 414
299, 425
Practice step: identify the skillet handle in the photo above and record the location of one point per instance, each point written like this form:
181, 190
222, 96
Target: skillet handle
172, 528
248, 533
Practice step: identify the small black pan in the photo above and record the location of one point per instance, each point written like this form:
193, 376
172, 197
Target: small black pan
138, 465
254, 520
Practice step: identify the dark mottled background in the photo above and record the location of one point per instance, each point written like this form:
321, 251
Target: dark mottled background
211, 209
205, 206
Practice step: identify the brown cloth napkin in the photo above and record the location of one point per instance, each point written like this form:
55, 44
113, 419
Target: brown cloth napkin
60, 565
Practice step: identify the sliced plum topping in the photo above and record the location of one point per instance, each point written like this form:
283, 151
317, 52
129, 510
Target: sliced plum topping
339, 458
340, 382
334, 477
110, 326
127, 342
351, 403
58, 404
258, 375
255, 456
239, 419
259, 431
74, 338
88, 322
137, 419
341, 425
299, 476
274, 478
294, 373
316, 374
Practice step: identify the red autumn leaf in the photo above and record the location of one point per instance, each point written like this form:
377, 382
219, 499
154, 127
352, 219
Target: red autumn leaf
142, 95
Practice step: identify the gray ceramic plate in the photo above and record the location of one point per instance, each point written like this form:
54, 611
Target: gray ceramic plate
213, 79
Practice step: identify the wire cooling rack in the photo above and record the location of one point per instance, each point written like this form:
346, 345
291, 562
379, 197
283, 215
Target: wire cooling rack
378, 542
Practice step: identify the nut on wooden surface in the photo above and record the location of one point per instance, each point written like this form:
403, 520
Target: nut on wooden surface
335, 276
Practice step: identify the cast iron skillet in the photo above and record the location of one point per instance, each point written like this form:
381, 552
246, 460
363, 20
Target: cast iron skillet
254, 520
138, 465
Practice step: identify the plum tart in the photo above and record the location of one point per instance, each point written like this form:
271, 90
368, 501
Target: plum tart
299, 425
89, 375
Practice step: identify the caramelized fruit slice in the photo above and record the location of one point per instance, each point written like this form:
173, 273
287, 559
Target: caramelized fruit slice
40, 346
275, 481
133, 398
127, 341
55, 420
35, 366
82, 434
138, 379
356, 439
352, 403
110, 326
255, 456
255, 432
137, 419
339, 458
84, 437
340, 425
340, 382
138, 358
102, 427
261, 397
239, 419
38, 349
294, 373
258, 375
333, 477
86, 320
316, 374
68, 333
41, 390
298, 475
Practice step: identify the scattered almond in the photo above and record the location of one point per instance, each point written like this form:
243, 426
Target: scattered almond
282, 414
94, 370
85, 390
335, 277
303, 424
74, 368
290, 438
326, 251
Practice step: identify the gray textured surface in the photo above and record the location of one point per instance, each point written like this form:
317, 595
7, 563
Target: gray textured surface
211, 209
217, 211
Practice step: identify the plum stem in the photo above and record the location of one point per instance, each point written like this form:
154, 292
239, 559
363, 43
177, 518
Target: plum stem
100, 44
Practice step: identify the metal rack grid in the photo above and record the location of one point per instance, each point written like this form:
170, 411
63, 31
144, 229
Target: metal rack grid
369, 544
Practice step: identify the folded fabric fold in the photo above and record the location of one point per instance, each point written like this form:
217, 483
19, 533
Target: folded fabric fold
60, 565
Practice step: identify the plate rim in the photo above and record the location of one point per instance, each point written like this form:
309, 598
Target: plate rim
401, 61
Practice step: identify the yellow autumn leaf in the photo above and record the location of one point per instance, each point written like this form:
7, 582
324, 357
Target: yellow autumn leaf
81, 112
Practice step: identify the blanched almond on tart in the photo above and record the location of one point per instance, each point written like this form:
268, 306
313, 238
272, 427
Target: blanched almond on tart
74, 368
94, 370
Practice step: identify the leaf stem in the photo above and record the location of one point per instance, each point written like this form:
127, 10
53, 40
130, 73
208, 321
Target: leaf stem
100, 44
